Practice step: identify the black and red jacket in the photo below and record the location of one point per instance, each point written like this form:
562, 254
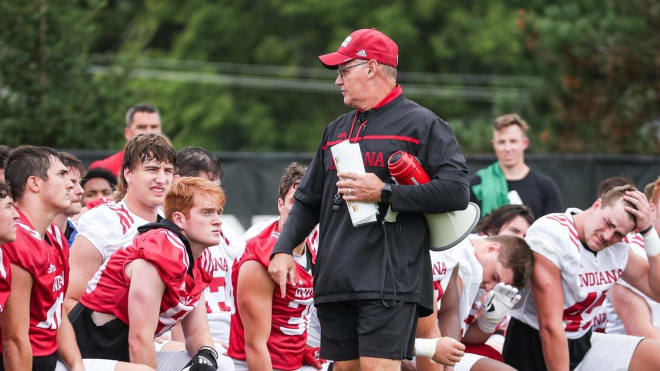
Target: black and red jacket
349, 258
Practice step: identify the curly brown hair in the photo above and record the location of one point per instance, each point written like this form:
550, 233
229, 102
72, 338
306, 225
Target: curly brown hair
144, 148
291, 178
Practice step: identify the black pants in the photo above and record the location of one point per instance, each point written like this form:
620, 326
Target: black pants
523, 350
43, 363
109, 341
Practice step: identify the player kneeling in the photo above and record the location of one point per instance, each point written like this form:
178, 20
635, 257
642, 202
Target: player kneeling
146, 288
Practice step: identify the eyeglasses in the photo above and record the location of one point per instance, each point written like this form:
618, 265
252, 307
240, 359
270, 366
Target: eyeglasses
342, 71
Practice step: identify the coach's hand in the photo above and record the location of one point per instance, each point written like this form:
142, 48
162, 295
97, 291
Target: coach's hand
281, 268
359, 187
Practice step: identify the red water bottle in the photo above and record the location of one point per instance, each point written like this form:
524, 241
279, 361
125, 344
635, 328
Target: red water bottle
406, 169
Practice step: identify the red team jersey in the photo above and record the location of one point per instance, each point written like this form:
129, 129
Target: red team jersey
107, 292
5, 279
112, 163
290, 314
46, 259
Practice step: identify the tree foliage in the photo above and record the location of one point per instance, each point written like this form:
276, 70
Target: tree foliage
244, 76
47, 95
599, 61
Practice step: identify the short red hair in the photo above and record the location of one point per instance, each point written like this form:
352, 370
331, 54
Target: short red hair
181, 196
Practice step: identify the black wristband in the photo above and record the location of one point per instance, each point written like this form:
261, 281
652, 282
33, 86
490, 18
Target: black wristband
386, 194
209, 353
647, 229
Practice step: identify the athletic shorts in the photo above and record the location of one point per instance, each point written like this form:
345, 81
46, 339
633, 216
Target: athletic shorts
109, 341
523, 349
609, 352
42, 363
351, 329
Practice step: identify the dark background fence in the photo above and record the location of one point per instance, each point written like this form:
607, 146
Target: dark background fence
251, 180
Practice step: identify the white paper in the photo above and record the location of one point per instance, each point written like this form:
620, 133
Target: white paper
347, 157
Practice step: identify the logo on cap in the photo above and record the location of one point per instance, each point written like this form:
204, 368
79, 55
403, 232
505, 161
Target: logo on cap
362, 53
346, 41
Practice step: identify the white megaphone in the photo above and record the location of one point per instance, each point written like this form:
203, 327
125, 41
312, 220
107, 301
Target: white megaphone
446, 229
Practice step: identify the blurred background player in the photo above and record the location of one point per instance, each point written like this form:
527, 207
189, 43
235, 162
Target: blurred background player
149, 286
140, 119
510, 180
512, 220
146, 177
98, 183
65, 220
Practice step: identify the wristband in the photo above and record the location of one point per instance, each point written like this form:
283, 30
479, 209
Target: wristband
646, 230
425, 347
651, 242
214, 352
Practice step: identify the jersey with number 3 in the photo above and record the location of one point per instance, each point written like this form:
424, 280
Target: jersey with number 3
45, 258
585, 275
219, 294
107, 292
290, 315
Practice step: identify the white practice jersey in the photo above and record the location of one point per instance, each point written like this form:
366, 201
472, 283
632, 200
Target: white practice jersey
470, 273
219, 294
109, 227
442, 265
614, 324
599, 323
586, 276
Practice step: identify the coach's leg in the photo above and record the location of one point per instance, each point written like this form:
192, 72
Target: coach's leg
374, 364
352, 365
339, 338
646, 356
386, 334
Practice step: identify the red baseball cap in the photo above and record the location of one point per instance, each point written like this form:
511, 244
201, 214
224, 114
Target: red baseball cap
367, 43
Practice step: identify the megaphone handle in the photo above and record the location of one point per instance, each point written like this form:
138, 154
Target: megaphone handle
390, 216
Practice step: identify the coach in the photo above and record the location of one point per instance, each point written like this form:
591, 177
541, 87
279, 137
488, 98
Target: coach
372, 282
